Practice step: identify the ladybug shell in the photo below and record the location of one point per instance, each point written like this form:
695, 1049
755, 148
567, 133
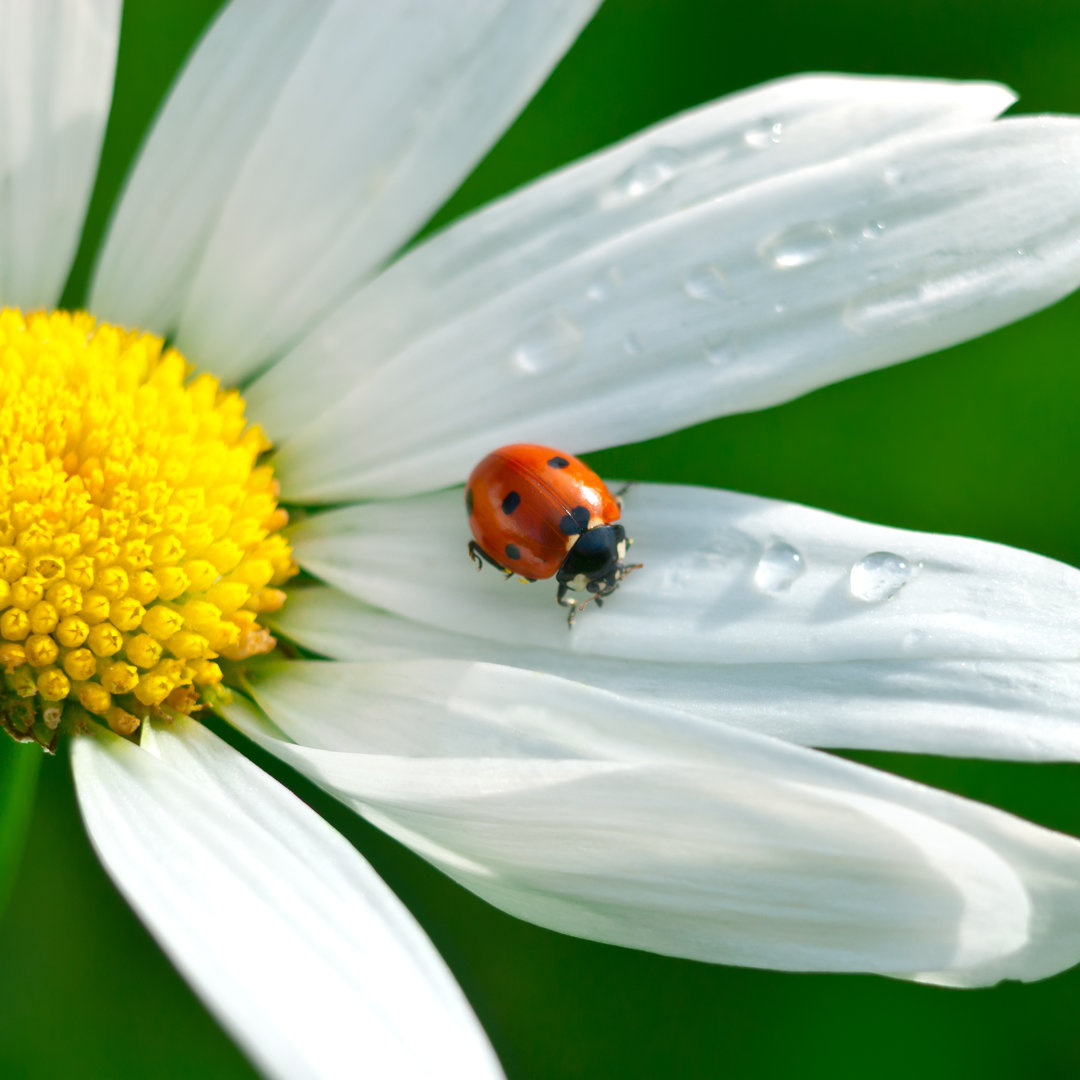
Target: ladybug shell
528, 504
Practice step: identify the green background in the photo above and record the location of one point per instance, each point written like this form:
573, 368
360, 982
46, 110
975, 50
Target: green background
977, 440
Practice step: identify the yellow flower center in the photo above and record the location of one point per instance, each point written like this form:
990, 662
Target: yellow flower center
138, 535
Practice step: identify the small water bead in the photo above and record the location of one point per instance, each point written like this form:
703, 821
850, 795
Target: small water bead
798, 245
879, 576
551, 343
873, 230
603, 287
705, 283
633, 345
779, 568
652, 171
722, 350
765, 134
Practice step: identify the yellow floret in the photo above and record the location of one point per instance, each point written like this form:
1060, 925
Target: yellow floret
138, 533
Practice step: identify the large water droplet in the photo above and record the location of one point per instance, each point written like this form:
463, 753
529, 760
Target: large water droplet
767, 133
705, 283
551, 343
799, 245
652, 171
779, 567
879, 576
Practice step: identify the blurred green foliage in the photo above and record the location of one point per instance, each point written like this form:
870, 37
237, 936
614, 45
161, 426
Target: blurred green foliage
979, 440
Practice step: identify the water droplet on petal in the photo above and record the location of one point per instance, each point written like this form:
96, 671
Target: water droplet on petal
705, 283
873, 230
722, 350
879, 576
912, 640
779, 307
892, 175
633, 345
779, 567
551, 343
653, 170
602, 288
799, 245
767, 133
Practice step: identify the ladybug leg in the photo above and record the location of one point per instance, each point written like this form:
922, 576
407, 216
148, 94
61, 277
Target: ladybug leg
618, 495
480, 556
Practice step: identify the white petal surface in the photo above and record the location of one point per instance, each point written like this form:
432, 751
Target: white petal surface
551, 225
596, 816
735, 300
57, 59
305, 142
700, 597
305, 956
1020, 710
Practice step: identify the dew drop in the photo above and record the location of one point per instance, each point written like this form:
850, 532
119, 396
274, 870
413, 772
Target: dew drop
798, 246
633, 345
879, 576
551, 343
779, 567
652, 171
767, 133
722, 350
705, 283
602, 288
779, 307
873, 230
892, 175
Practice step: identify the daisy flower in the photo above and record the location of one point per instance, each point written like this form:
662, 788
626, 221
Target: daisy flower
645, 780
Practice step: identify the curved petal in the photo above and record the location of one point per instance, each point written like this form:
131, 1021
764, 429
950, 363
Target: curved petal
722, 302
717, 149
753, 580
581, 811
1019, 710
289, 936
304, 143
57, 59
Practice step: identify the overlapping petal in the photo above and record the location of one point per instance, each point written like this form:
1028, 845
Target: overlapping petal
56, 72
1018, 710
832, 588
347, 125
644, 827
309, 961
688, 270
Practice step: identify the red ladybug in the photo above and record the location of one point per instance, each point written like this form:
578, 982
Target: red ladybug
538, 512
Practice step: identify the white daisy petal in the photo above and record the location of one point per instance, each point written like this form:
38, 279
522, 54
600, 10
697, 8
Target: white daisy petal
753, 581
57, 59
551, 226
304, 955
1017, 710
348, 124
644, 827
734, 302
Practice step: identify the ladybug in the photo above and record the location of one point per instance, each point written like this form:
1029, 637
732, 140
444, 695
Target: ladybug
539, 513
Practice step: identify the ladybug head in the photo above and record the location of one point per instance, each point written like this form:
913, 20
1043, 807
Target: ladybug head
595, 562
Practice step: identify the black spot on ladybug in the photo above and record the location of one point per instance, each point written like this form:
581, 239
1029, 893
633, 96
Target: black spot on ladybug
558, 462
513, 551
468, 502
511, 502
577, 521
